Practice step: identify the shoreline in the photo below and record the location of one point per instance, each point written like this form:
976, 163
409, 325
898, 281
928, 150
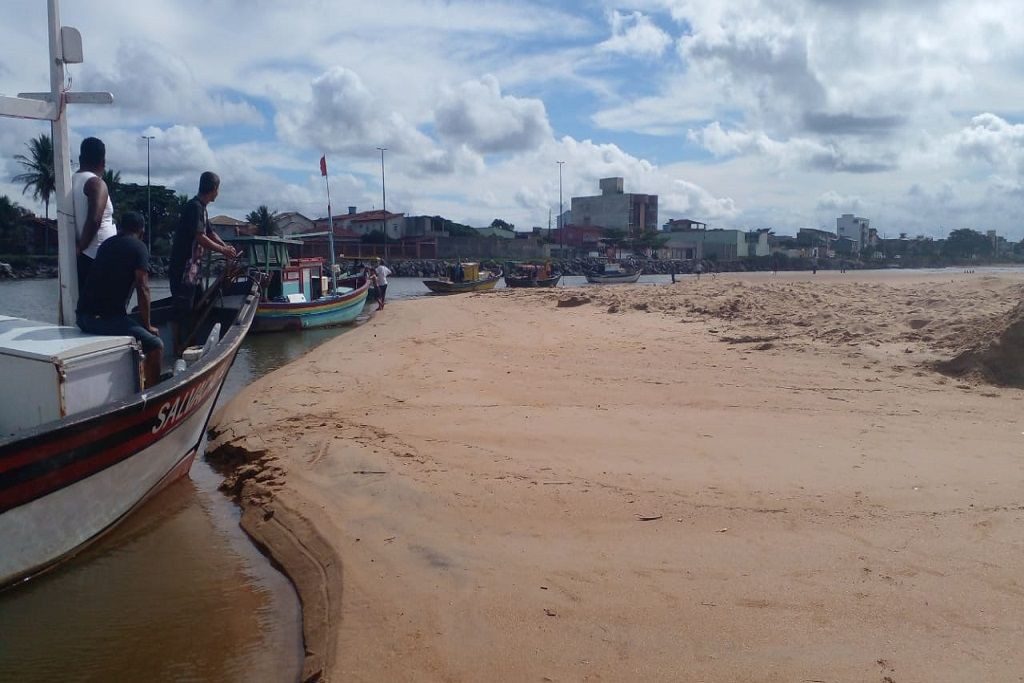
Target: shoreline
305, 504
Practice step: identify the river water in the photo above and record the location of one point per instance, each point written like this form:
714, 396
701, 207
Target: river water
177, 592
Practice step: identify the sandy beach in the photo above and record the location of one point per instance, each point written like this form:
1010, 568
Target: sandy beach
745, 478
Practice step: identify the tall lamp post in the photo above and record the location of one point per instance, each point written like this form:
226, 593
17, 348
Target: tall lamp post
149, 205
384, 201
561, 227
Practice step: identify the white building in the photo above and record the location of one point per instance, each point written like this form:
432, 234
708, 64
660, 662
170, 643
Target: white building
854, 229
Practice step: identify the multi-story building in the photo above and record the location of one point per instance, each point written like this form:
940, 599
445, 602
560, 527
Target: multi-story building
616, 210
855, 229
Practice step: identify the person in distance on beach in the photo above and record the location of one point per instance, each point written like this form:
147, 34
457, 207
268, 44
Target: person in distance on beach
122, 264
192, 238
381, 272
94, 212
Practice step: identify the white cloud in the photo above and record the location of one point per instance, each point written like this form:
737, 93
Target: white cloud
635, 34
152, 83
994, 141
344, 116
476, 114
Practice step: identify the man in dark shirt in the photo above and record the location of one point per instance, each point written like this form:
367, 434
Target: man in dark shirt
121, 265
192, 237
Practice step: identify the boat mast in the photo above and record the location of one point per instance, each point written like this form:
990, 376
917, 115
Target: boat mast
330, 224
65, 48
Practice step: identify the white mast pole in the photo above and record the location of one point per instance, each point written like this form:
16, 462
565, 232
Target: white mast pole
67, 254
330, 230
65, 48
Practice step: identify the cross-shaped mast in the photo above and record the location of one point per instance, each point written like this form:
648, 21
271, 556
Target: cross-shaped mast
65, 48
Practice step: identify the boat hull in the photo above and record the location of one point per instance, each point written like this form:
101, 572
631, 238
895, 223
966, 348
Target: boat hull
597, 279
449, 287
66, 483
272, 316
525, 282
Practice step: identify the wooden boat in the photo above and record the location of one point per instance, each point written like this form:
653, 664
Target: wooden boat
530, 275
613, 274
82, 445
297, 294
474, 280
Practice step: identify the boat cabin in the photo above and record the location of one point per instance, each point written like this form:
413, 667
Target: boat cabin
295, 280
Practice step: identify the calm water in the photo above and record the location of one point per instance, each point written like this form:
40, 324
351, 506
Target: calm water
177, 592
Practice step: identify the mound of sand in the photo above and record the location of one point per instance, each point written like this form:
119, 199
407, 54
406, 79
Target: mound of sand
1000, 360
970, 330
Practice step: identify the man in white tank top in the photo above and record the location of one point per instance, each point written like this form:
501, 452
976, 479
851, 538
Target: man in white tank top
94, 212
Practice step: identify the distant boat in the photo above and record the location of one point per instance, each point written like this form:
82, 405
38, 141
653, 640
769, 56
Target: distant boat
613, 274
530, 275
297, 294
472, 279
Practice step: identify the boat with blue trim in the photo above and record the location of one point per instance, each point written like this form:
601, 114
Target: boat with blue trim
297, 294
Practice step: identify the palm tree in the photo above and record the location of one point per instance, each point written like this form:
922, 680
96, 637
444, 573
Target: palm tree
38, 173
264, 220
112, 179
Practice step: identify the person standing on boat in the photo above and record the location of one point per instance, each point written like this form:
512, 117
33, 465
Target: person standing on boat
381, 273
94, 212
192, 238
121, 265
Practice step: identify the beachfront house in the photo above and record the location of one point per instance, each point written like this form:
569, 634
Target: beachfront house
293, 223
226, 226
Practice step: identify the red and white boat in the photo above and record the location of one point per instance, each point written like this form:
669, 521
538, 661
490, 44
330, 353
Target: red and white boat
82, 445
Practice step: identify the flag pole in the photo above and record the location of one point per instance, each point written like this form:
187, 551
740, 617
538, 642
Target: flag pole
330, 223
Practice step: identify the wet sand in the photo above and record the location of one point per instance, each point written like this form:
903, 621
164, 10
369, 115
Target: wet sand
746, 478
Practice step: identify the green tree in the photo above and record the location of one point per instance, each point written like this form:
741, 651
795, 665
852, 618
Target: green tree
649, 240
966, 243
498, 223
38, 165
614, 238
112, 179
263, 218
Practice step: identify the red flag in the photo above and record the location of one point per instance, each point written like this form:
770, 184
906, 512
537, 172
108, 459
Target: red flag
323, 165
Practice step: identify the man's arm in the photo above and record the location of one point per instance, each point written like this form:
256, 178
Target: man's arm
96, 193
142, 292
217, 245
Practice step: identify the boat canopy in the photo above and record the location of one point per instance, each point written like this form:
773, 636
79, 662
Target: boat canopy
270, 253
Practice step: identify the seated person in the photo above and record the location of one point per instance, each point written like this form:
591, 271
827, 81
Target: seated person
121, 265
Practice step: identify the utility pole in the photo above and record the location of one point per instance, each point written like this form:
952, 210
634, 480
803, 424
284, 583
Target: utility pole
384, 200
149, 205
561, 226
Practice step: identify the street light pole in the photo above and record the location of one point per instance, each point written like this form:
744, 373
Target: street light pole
149, 205
561, 226
384, 201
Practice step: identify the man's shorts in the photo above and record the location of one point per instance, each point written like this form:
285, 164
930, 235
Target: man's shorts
184, 297
120, 326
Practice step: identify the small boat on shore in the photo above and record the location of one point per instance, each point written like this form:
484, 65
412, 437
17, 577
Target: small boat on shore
531, 275
82, 443
466, 277
297, 294
613, 274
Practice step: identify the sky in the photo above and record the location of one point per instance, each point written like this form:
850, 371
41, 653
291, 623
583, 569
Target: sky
747, 114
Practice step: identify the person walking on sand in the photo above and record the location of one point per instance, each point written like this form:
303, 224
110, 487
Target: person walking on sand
94, 212
381, 273
699, 269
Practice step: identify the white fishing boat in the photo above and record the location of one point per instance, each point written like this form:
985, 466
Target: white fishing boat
82, 444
